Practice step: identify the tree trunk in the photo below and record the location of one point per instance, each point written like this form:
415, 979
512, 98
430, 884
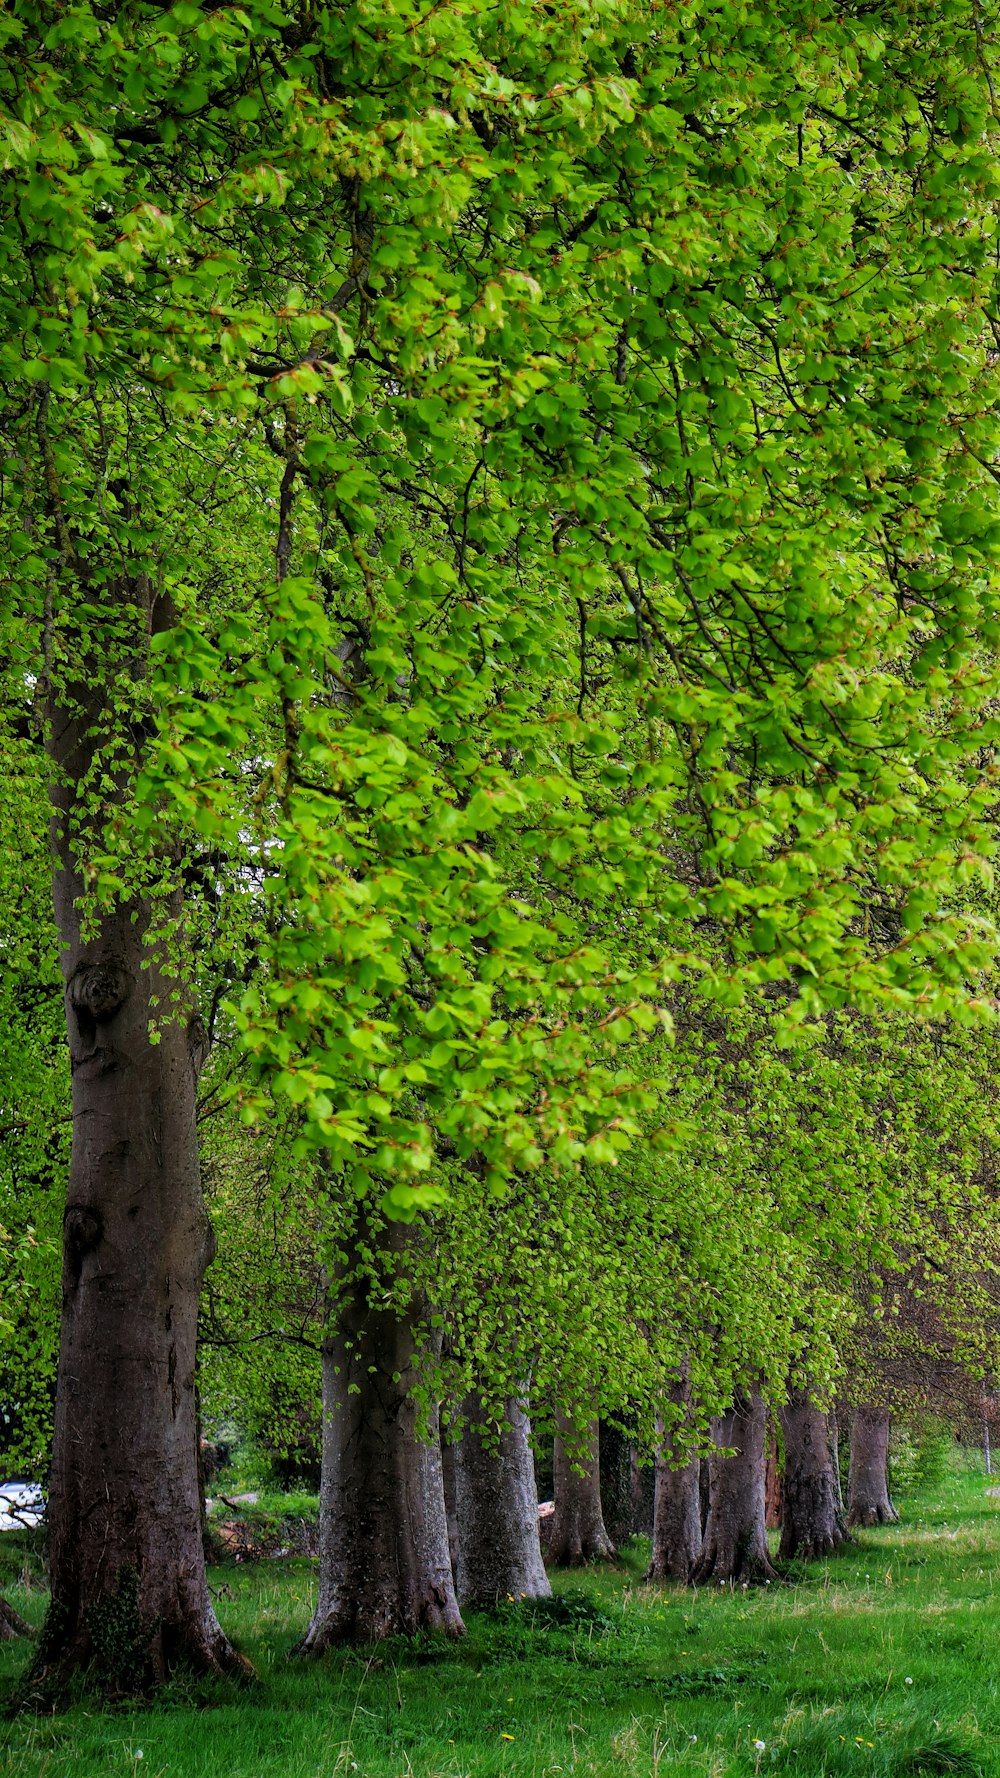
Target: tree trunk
496, 1509
838, 1490
810, 1524
704, 1493
643, 1495
129, 1595
449, 1478
735, 1543
11, 1624
616, 1482
868, 1500
676, 1519
578, 1532
772, 1479
385, 1564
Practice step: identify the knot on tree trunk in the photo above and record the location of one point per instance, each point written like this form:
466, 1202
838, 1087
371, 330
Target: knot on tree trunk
83, 1229
97, 990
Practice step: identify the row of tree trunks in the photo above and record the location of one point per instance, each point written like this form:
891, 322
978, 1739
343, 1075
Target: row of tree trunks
728, 1541
389, 1565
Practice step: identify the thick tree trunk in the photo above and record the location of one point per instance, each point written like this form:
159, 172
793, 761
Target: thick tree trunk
385, 1563
129, 1595
643, 1495
11, 1623
810, 1523
616, 1481
578, 1533
676, 1519
735, 1542
868, 1500
496, 1510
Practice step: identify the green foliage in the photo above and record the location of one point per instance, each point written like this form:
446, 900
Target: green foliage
571, 1609
121, 1638
920, 1454
580, 398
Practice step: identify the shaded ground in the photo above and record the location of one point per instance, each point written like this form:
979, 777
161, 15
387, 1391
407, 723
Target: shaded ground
879, 1664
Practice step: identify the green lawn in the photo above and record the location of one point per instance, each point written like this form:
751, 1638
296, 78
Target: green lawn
881, 1662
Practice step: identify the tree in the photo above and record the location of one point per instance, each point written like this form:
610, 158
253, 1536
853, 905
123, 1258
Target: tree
385, 1563
734, 1547
677, 1526
544, 659
578, 1533
868, 1500
811, 1522
496, 1511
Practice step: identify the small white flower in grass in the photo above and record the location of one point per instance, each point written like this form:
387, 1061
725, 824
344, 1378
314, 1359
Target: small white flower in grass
907, 1680
759, 1746
692, 1739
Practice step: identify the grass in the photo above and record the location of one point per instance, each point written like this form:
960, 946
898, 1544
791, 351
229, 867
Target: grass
877, 1664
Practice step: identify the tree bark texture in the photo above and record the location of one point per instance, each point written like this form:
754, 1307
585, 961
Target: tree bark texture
578, 1534
11, 1623
868, 1500
838, 1490
450, 1480
772, 1479
734, 1548
385, 1563
811, 1525
129, 1594
676, 1519
616, 1482
627, 1487
496, 1512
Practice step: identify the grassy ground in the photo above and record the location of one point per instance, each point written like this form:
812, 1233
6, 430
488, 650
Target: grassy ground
879, 1664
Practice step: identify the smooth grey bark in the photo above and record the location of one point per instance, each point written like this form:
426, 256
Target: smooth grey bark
11, 1623
385, 1563
496, 1512
868, 1500
811, 1525
578, 1533
676, 1519
129, 1594
734, 1547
